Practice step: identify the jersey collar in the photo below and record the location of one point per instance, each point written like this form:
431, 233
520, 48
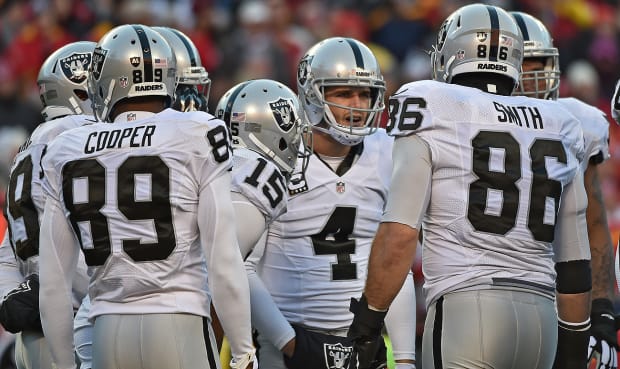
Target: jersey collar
130, 116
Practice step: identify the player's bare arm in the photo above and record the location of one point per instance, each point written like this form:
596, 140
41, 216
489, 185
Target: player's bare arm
601, 247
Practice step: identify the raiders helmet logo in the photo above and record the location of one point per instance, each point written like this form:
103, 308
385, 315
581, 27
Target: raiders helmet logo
303, 70
337, 356
74, 66
284, 113
442, 34
99, 56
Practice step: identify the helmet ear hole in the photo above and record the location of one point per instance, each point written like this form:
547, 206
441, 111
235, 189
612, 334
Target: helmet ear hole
283, 145
81, 94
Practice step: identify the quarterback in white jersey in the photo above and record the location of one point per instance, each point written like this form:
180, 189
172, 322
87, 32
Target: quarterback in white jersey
315, 257
147, 200
540, 78
62, 84
495, 181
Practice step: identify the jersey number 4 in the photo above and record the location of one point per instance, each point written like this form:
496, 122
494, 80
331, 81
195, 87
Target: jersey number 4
338, 228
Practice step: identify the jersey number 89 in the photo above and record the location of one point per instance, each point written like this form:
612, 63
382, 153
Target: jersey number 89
87, 214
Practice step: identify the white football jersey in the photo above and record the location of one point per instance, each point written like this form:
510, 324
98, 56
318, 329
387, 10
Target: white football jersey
25, 199
595, 129
130, 190
260, 181
316, 256
499, 165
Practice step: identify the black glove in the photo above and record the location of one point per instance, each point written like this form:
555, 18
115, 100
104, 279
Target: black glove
20, 307
603, 340
365, 331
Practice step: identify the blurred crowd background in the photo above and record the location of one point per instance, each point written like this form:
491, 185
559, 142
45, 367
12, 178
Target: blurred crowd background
244, 39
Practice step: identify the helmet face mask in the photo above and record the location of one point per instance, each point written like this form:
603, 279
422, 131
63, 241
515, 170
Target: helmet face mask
344, 62
193, 83
130, 61
266, 117
543, 82
62, 80
477, 38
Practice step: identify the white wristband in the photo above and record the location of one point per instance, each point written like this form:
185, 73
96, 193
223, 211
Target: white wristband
404, 366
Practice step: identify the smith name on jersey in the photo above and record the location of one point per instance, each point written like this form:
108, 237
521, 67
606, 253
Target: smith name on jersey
500, 164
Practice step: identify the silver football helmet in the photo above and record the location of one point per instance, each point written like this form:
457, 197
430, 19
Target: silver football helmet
62, 80
193, 83
477, 38
265, 116
340, 61
129, 61
538, 44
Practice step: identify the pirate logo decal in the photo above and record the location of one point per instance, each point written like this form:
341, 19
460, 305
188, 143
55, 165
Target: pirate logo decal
75, 66
337, 356
98, 59
284, 113
303, 70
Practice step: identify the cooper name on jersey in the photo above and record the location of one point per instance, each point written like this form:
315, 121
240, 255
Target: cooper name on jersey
520, 115
137, 136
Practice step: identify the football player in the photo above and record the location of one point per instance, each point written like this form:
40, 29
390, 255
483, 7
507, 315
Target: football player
266, 123
193, 83
483, 174
146, 199
62, 86
192, 93
316, 254
541, 79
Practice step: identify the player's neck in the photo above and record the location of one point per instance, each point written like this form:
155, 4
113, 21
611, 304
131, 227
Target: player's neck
324, 144
138, 104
